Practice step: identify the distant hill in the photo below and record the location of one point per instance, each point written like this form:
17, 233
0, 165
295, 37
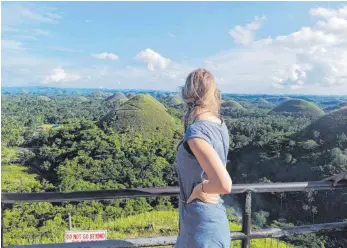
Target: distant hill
283, 99
143, 114
262, 101
131, 95
298, 106
232, 104
163, 95
44, 98
176, 100
328, 126
335, 102
81, 99
98, 94
338, 104
117, 97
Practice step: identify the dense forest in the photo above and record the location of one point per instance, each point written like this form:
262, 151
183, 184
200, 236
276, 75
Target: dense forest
81, 139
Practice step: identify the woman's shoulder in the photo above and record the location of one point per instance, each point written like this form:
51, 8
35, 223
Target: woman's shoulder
207, 127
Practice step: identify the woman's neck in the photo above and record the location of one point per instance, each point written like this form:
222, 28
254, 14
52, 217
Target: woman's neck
204, 114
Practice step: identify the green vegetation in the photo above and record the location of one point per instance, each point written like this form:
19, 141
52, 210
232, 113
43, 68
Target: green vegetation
81, 99
44, 98
154, 223
299, 106
78, 141
15, 178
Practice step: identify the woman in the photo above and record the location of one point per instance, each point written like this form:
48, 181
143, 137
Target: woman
201, 166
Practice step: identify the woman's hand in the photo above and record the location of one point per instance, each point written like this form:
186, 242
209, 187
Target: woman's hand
205, 197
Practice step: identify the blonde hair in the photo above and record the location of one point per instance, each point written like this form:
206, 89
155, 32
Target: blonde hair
200, 92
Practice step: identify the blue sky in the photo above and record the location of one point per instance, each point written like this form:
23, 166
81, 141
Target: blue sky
250, 47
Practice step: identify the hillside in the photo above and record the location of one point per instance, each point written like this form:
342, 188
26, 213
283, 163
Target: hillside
44, 98
262, 101
82, 99
232, 104
141, 114
98, 94
298, 106
176, 100
131, 95
329, 127
117, 97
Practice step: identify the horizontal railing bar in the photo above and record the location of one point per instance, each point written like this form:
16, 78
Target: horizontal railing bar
165, 191
171, 240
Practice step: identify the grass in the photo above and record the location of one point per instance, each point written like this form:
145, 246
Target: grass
16, 178
163, 223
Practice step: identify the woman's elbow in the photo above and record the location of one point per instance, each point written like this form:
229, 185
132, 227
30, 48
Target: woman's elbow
226, 186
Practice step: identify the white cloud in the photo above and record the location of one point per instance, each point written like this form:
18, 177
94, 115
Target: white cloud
58, 75
310, 60
171, 35
14, 14
63, 49
11, 45
153, 59
245, 34
106, 56
328, 13
41, 32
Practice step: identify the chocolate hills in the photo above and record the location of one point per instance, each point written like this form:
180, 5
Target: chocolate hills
298, 106
142, 114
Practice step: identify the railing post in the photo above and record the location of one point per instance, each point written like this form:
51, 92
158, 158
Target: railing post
70, 224
246, 219
2, 225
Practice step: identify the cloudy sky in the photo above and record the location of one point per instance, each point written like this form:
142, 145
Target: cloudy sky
272, 48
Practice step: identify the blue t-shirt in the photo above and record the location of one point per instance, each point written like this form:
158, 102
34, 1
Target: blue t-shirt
201, 224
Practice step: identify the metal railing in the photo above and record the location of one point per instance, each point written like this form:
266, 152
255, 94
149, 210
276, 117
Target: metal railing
245, 235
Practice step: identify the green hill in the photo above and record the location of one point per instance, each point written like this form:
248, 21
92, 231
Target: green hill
98, 94
232, 104
298, 106
283, 99
81, 99
142, 114
44, 98
131, 95
337, 105
262, 101
163, 95
176, 100
329, 127
117, 97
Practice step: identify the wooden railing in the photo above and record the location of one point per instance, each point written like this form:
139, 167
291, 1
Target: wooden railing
246, 234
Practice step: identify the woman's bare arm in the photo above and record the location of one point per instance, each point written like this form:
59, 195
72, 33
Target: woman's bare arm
219, 181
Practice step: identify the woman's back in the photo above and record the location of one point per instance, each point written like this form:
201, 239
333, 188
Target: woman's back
189, 171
